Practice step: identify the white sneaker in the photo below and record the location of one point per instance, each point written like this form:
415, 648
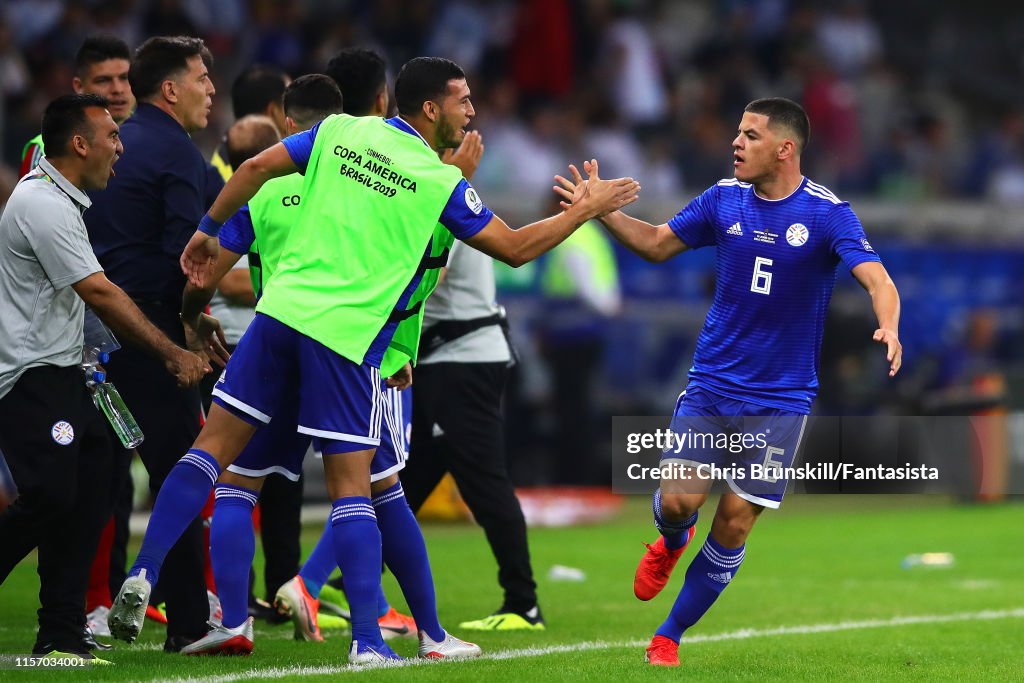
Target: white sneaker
449, 648
216, 611
97, 621
129, 611
366, 656
293, 599
224, 641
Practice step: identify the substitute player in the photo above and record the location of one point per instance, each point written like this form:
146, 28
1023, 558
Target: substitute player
327, 315
780, 238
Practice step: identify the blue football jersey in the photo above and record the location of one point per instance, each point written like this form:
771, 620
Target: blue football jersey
776, 267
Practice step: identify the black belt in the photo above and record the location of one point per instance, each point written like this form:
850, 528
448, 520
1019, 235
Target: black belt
445, 331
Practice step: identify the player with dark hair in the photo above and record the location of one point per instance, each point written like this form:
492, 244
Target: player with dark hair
322, 331
101, 68
257, 90
361, 74
779, 237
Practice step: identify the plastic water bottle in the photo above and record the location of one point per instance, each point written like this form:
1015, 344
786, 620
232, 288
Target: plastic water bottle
110, 402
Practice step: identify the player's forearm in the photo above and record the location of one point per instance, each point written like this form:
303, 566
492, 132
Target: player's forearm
120, 313
885, 299
194, 302
249, 178
535, 239
240, 188
638, 236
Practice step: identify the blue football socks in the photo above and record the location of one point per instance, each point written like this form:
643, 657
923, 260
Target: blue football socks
320, 564
405, 554
709, 573
232, 548
357, 545
181, 499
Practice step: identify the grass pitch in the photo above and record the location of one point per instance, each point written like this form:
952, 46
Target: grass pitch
821, 595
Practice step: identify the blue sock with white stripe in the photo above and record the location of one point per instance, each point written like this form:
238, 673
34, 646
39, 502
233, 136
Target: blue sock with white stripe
232, 548
405, 553
675, 533
181, 499
357, 551
320, 564
709, 573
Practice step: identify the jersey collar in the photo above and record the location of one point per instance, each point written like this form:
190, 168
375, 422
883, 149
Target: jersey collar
76, 195
401, 124
803, 182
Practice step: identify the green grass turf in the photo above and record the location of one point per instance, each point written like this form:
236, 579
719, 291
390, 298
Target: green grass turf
820, 560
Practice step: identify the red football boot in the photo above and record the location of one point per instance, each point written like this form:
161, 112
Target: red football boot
656, 567
662, 652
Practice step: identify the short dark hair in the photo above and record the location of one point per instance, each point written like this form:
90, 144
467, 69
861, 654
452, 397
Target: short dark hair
160, 58
361, 74
255, 88
249, 136
312, 98
422, 79
98, 49
65, 118
785, 113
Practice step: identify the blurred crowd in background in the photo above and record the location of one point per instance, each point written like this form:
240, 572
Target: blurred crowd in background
910, 102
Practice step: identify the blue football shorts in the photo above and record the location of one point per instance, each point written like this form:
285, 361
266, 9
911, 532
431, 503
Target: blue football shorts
746, 444
338, 401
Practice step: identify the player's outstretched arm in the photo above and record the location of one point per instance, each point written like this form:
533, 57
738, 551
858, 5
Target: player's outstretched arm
650, 242
592, 198
885, 299
200, 255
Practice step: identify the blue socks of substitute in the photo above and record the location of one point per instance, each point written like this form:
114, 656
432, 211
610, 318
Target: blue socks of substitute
320, 564
232, 548
675, 533
709, 573
354, 530
406, 556
180, 500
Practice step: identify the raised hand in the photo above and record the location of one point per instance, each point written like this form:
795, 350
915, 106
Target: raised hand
467, 157
595, 195
199, 258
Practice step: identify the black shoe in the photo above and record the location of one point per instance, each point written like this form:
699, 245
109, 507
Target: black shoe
90, 643
264, 611
176, 643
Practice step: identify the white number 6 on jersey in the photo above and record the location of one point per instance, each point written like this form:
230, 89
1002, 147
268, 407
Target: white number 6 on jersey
761, 283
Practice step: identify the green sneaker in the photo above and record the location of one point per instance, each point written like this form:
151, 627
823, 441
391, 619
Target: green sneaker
333, 600
531, 620
332, 622
89, 658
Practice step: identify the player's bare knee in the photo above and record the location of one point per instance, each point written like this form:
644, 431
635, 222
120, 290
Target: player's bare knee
241, 481
678, 506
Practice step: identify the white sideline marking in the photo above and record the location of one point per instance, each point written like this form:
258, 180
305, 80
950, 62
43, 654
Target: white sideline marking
742, 634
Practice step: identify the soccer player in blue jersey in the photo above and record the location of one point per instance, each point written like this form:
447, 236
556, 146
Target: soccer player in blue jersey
780, 237
355, 306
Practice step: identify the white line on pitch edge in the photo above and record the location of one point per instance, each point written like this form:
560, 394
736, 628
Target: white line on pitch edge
742, 634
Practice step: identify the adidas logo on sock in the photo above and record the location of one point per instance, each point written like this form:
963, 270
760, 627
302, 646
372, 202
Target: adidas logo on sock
724, 577
735, 230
